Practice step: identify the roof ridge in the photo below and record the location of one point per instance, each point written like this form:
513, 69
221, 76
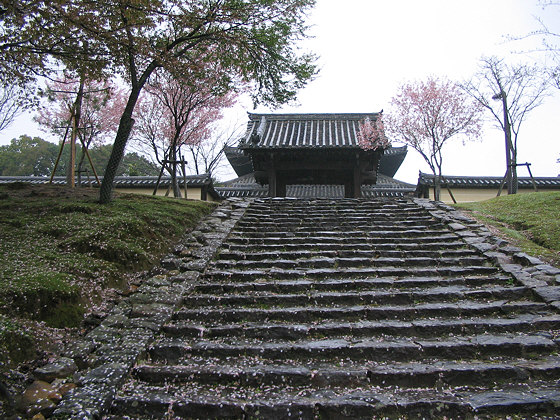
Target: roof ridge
499, 177
310, 115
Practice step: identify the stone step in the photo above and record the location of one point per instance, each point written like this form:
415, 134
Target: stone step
354, 262
377, 297
259, 254
355, 284
390, 349
431, 327
338, 203
349, 238
346, 246
329, 215
339, 207
386, 233
350, 209
337, 273
278, 402
337, 225
337, 220
427, 373
348, 309
340, 211
307, 314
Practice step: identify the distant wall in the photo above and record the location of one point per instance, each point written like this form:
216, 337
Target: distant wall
465, 195
193, 193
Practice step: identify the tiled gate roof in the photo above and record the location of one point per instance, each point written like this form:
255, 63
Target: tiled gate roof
304, 130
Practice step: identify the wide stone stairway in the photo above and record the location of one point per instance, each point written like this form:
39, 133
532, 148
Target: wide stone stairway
349, 309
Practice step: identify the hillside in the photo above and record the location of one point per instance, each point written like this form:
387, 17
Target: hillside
530, 221
66, 257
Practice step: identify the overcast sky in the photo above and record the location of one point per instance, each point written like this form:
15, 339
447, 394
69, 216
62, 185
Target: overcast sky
368, 48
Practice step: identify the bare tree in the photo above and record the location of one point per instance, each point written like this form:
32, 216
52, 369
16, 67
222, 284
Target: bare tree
509, 93
208, 156
11, 104
550, 41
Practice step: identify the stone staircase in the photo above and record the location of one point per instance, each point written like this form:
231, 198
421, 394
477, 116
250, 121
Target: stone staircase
349, 309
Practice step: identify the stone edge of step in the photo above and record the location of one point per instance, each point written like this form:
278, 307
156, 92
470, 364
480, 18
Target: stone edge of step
543, 279
108, 352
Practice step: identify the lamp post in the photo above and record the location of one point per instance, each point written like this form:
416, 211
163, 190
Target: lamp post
509, 146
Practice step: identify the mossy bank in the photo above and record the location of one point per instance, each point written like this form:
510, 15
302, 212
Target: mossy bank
63, 253
530, 221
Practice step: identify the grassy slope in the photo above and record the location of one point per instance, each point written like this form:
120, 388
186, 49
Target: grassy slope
60, 251
531, 221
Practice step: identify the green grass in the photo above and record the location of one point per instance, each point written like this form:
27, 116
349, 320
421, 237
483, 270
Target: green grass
530, 221
60, 249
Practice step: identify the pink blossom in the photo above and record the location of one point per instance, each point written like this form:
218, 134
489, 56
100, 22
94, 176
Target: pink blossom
102, 105
371, 135
426, 114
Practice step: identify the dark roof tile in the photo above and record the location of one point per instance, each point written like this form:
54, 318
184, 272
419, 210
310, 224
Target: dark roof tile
303, 130
486, 181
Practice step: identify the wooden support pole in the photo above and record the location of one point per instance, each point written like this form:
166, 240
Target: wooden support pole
75, 112
528, 165
70, 177
59, 154
90, 161
184, 169
503, 182
159, 178
449, 190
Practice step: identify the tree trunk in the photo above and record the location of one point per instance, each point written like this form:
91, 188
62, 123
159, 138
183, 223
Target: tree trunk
76, 115
195, 161
123, 132
509, 147
117, 153
174, 182
80, 167
514, 171
437, 188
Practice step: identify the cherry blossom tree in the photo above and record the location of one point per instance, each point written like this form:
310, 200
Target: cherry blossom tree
253, 40
92, 108
176, 113
102, 103
426, 115
371, 134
